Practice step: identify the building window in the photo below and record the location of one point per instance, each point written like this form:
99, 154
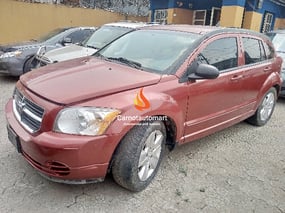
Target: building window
160, 16
267, 22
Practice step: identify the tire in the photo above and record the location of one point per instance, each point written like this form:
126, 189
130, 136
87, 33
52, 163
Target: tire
28, 65
265, 109
139, 155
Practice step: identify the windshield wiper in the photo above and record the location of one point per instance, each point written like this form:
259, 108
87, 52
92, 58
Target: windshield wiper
280, 51
131, 63
90, 46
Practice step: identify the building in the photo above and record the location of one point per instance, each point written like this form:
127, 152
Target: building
258, 15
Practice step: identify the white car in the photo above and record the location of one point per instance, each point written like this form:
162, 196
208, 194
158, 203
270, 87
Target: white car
101, 37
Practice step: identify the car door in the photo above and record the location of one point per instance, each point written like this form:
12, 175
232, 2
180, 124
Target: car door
215, 104
257, 67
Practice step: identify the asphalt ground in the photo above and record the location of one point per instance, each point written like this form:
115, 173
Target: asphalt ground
240, 169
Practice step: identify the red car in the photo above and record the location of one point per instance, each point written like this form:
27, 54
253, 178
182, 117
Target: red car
149, 90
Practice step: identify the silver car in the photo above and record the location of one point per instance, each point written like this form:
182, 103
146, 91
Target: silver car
101, 37
278, 40
16, 59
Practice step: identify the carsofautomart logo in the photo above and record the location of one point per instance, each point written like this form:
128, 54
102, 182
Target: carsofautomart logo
141, 102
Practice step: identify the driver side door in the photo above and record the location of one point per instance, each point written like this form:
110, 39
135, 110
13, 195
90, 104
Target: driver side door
215, 104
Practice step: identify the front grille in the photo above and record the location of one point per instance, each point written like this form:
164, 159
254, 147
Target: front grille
28, 113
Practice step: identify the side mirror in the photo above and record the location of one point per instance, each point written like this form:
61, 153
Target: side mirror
204, 71
66, 40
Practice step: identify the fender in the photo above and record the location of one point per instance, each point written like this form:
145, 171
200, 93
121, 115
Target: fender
273, 79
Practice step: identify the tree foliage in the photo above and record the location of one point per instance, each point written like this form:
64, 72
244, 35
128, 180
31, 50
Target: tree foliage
129, 7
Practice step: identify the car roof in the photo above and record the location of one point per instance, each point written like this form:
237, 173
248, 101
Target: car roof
200, 29
130, 24
205, 31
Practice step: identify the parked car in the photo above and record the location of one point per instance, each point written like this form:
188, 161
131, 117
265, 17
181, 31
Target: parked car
16, 59
278, 40
149, 90
99, 39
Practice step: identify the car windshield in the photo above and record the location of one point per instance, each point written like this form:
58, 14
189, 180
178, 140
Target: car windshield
54, 35
104, 36
151, 50
278, 40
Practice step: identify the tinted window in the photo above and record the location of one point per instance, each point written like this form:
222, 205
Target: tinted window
221, 53
80, 35
269, 51
253, 50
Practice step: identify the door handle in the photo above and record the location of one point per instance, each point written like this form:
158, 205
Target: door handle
266, 69
236, 77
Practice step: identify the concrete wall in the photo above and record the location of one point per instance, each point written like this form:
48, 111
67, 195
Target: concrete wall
252, 21
279, 23
180, 16
231, 16
24, 21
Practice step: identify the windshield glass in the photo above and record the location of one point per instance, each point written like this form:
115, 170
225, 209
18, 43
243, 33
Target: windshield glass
153, 50
105, 35
278, 40
53, 36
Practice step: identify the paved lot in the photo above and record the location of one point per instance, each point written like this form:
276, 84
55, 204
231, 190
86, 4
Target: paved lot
241, 169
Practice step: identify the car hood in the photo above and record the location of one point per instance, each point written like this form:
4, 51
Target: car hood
20, 46
69, 52
83, 79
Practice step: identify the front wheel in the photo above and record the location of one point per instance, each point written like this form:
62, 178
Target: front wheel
29, 65
265, 109
138, 156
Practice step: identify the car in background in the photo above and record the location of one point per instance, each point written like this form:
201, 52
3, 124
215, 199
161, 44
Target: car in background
16, 59
101, 37
278, 40
151, 89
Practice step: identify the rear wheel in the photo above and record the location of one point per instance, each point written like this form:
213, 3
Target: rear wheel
138, 156
265, 109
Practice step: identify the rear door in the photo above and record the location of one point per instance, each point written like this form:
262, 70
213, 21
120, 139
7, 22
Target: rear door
257, 67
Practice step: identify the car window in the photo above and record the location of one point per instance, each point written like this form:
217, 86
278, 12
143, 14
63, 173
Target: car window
221, 53
269, 51
80, 35
105, 35
159, 52
253, 50
52, 34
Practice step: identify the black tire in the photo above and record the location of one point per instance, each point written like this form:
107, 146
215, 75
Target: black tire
28, 65
135, 149
265, 109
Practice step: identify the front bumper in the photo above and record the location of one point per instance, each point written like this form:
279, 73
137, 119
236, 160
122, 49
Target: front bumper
12, 66
62, 157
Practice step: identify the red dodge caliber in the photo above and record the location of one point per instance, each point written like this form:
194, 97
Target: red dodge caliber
153, 88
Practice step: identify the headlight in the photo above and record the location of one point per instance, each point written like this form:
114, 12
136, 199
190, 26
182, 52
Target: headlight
84, 120
11, 54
